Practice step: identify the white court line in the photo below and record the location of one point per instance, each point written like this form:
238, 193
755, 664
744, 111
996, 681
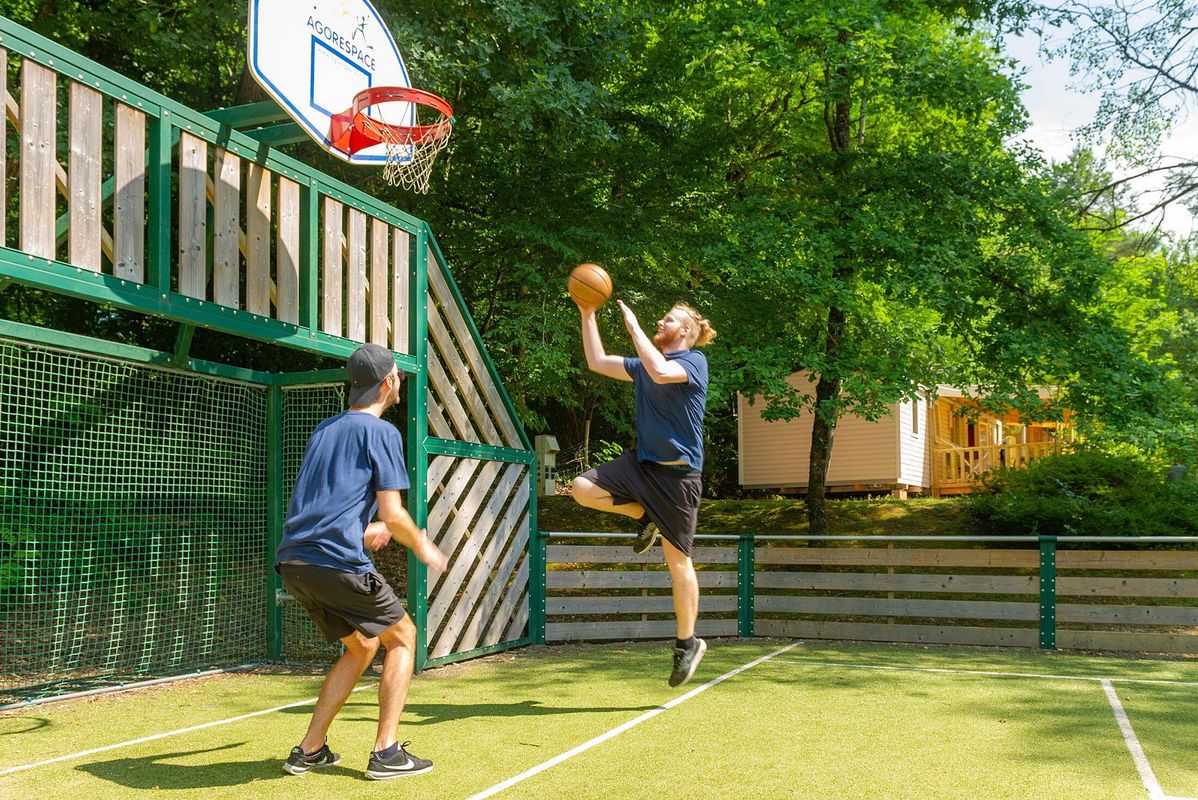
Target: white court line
144, 739
1147, 777
632, 723
986, 673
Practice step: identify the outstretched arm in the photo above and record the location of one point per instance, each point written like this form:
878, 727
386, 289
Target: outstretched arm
659, 368
395, 522
597, 359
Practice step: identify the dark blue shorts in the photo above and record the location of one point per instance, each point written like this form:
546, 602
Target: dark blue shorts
669, 494
340, 603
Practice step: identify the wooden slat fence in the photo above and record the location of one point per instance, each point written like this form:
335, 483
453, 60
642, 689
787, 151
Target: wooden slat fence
1125, 600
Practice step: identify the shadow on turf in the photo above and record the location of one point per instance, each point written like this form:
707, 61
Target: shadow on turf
432, 713
153, 773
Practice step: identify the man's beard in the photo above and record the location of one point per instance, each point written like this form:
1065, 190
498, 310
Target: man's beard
660, 338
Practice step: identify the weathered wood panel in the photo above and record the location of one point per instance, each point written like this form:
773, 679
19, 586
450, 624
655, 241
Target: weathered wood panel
1128, 615
400, 302
473, 633
193, 216
1125, 559
898, 557
515, 595
380, 283
880, 632
287, 255
129, 195
355, 284
613, 579
633, 604
332, 295
622, 554
1136, 642
881, 607
226, 219
84, 175
876, 582
1127, 587
440, 383
648, 629
257, 244
39, 120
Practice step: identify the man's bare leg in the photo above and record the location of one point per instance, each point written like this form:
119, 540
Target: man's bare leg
400, 641
359, 652
591, 495
685, 588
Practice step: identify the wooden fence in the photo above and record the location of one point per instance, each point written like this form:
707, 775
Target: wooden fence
1016, 591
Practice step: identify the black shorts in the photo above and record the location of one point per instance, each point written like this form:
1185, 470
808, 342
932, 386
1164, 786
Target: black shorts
340, 603
669, 494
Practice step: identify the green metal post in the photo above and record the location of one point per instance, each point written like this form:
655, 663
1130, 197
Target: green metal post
538, 544
274, 514
417, 433
158, 233
183, 345
1048, 593
744, 586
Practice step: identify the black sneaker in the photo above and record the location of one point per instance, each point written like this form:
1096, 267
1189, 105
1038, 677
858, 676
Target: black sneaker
686, 662
298, 762
646, 535
398, 765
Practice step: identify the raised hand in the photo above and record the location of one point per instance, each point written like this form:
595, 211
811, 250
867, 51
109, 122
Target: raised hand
630, 321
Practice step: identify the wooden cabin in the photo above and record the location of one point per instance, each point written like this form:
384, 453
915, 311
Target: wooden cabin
937, 446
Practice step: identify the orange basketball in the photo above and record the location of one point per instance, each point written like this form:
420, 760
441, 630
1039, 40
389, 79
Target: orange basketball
589, 285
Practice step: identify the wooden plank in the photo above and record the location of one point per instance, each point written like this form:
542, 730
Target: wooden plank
437, 470
518, 627
882, 607
617, 579
226, 219
440, 383
436, 417
332, 300
633, 604
461, 516
1133, 641
619, 631
441, 507
380, 283
193, 216
622, 554
400, 265
355, 277
84, 169
516, 592
463, 381
257, 234
1128, 615
881, 632
439, 288
472, 634
129, 195
898, 557
1127, 587
514, 528
39, 121
1147, 560
287, 255
877, 582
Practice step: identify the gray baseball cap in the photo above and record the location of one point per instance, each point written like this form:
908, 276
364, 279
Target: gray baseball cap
369, 365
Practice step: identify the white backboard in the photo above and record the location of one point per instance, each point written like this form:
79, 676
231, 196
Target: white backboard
313, 56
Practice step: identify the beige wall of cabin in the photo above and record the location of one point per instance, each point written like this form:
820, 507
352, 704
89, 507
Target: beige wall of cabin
777, 454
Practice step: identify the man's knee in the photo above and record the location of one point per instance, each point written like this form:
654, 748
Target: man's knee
361, 646
582, 490
400, 634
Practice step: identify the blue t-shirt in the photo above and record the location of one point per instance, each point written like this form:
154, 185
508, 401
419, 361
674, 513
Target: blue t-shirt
669, 416
348, 459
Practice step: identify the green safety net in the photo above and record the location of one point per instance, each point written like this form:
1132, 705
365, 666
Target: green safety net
132, 522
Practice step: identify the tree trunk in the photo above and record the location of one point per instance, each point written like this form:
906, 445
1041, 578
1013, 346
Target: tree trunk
823, 429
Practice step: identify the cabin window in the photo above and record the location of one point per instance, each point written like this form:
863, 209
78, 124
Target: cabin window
915, 416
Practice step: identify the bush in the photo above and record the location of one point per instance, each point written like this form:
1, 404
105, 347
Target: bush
1087, 494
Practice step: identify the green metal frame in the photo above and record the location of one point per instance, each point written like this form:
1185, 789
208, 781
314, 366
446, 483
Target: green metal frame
1048, 593
417, 438
274, 499
745, 571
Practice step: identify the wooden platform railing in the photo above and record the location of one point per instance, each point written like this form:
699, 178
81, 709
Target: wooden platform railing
1008, 591
962, 467
131, 199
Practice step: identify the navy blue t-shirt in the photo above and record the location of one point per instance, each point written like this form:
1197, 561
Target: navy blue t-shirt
669, 416
349, 458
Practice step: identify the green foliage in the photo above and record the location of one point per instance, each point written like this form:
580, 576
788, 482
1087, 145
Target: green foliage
1088, 494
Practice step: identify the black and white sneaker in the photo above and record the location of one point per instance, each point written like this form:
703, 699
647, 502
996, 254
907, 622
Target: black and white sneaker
300, 762
646, 535
686, 661
400, 764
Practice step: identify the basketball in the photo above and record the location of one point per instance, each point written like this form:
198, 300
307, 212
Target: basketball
589, 285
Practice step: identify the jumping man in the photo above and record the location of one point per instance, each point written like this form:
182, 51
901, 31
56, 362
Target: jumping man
661, 484
352, 468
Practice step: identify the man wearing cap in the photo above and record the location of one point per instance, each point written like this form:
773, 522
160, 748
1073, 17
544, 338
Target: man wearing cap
352, 469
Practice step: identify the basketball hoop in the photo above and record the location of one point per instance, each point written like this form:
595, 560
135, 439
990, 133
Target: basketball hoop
411, 148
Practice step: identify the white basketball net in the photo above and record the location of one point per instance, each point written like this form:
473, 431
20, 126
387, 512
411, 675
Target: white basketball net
410, 164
